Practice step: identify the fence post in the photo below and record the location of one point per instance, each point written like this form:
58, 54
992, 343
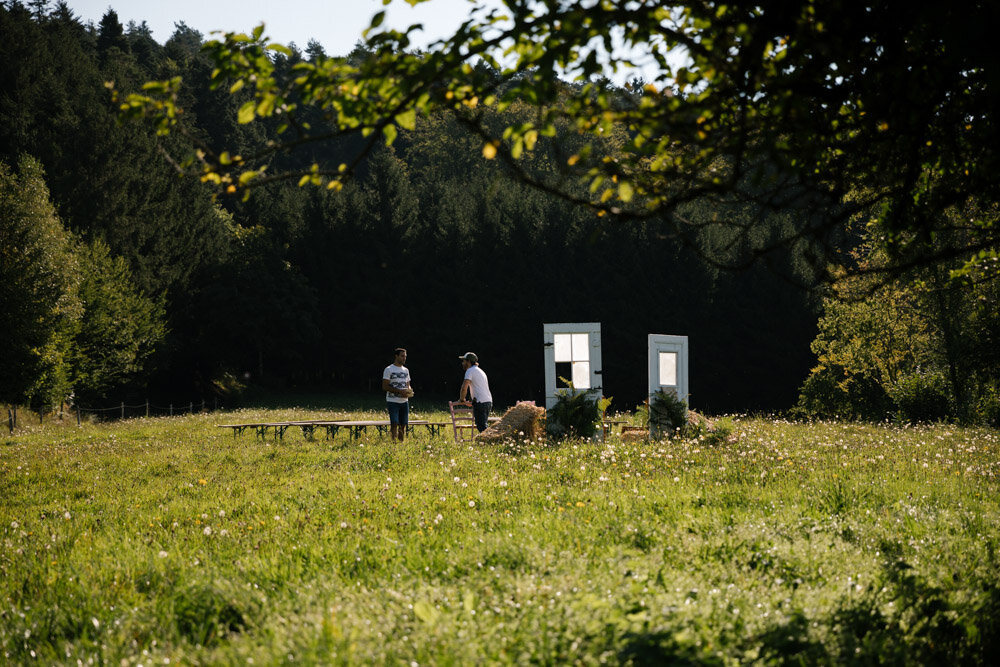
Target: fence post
77, 415
10, 420
147, 407
202, 405
123, 409
171, 409
15, 416
191, 408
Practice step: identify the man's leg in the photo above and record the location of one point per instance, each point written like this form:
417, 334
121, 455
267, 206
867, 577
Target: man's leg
404, 420
481, 412
394, 426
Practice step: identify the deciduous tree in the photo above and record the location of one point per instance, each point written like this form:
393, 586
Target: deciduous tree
774, 103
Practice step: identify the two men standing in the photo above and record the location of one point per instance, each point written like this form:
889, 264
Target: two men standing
396, 383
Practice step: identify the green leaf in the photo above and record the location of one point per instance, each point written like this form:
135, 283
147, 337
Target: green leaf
626, 191
247, 112
516, 149
390, 133
407, 120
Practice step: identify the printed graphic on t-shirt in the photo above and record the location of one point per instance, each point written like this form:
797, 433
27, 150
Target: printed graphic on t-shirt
398, 379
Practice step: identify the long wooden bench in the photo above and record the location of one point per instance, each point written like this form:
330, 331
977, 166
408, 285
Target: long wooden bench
260, 429
356, 428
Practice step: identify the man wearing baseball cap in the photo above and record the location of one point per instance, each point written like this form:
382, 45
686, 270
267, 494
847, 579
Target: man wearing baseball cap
477, 385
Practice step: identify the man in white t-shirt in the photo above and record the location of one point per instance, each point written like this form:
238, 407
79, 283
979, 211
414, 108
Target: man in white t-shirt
477, 386
396, 382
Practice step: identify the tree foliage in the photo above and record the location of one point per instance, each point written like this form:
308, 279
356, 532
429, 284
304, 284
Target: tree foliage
39, 305
921, 348
776, 103
120, 328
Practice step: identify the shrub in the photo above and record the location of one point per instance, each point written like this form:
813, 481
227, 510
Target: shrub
921, 397
667, 413
988, 407
714, 432
829, 393
574, 415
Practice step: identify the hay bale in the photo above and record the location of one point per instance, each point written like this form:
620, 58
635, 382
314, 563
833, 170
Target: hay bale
699, 421
519, 422
635, 434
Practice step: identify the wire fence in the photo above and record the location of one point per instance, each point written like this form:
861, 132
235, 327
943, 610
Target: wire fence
122, 411
147, 409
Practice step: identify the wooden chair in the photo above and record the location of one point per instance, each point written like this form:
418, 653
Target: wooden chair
462, 421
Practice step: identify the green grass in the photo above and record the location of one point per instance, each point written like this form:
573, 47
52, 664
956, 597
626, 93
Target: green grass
168, 539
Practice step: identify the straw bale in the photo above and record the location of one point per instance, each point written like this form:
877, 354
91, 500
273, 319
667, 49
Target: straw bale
635, 434
521, 421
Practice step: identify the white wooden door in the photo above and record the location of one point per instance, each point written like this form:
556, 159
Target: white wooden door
572, 354
668, 364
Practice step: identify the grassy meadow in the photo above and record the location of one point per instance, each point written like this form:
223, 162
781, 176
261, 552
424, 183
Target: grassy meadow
170, 541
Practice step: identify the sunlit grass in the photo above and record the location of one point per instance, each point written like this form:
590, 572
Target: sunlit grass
170, 539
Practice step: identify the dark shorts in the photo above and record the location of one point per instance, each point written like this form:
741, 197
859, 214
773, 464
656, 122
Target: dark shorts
399, 413
481, 411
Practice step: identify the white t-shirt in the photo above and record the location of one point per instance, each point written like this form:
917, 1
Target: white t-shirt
399, 378
480, 384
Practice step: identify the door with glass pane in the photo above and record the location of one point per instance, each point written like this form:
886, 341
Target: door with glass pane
668, 364
572, 355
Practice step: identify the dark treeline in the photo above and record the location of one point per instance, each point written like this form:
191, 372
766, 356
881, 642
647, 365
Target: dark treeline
430, 247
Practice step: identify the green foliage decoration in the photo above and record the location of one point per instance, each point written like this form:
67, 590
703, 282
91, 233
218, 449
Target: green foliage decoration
668, 413
574, 415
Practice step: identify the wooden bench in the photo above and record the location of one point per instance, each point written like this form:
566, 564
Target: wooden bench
260, 429
356, 428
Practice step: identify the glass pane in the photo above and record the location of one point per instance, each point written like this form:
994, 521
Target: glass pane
668, 369
562, 345
581, 375
581, 347
563, 372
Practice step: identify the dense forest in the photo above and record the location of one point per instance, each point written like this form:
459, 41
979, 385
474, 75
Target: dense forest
137, 282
